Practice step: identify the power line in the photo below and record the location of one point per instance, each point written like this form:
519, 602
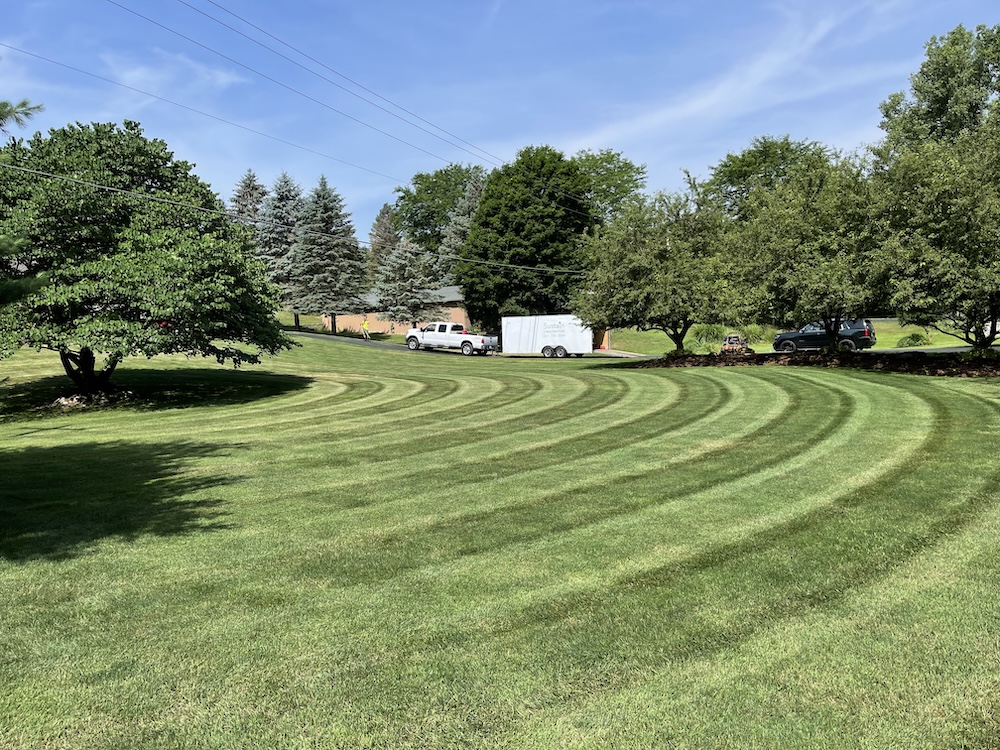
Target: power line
200, 112
256, 221
496, 160
276, 82
565, 193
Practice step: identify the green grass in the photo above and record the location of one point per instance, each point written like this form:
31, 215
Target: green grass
351, 547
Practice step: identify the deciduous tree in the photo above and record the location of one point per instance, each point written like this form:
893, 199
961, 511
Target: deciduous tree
523, 248
656, 266
808, 245
941, 205
139, 256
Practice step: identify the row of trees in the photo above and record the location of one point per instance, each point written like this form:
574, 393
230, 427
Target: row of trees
111, 246
307, 243
509, 238
790, 231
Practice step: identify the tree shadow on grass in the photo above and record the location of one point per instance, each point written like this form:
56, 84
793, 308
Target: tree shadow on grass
148, 390
56, 502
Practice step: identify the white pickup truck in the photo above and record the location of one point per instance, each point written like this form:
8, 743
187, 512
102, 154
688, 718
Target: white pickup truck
445, 335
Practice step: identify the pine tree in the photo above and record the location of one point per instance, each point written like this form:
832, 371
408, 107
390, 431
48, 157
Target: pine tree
247, 199
279, 215
325, 270
457, 231
405, 287
382, 240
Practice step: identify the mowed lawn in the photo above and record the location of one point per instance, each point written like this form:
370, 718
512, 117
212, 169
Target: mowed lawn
362, 548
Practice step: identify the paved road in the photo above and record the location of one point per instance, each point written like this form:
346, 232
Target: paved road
396, 347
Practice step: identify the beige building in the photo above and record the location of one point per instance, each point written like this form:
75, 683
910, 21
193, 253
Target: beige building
452, 306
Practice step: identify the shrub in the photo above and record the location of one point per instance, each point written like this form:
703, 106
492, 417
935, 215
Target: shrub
917, 338
706, 336
753, 333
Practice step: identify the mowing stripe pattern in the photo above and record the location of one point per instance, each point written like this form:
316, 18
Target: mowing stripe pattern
368, 548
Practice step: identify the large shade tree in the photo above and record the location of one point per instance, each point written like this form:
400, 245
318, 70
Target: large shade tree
938, 170
523, 248
941, 206
139, 256
806, 248
656, 266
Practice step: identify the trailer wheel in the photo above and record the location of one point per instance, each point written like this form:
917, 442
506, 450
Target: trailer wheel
412, 344
547, 351
561, 352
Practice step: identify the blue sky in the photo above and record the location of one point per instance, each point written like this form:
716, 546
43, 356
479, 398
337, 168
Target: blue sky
672, 85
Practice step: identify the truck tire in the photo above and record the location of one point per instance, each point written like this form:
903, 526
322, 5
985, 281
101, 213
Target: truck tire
547, 351
412, 344
561, 352
467, 349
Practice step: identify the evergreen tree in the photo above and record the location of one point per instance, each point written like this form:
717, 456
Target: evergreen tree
405, 288
457, 232
382, 240
279, 215
325, 270
18, 113
247, 199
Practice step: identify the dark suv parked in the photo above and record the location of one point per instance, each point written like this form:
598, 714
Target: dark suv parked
855, 333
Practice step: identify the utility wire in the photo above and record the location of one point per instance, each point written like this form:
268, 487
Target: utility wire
200, 112
496, 161
276, 82
495, 158
263, 222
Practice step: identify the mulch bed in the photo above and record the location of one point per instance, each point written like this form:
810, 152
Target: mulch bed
913, 362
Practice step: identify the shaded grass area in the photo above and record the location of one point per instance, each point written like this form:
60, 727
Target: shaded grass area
384, 549
105, 491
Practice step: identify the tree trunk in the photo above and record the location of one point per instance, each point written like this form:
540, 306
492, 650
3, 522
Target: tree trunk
81, 369
295, 316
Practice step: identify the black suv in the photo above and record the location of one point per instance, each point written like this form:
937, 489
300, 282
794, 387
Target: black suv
855, 333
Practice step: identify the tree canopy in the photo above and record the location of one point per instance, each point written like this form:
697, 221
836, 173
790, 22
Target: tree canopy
423, 208
532, 214
941, 207
806, 246
763, 165
138, 254
656, 266
953, 92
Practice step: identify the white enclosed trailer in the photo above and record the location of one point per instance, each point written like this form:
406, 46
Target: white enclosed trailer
548, 335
